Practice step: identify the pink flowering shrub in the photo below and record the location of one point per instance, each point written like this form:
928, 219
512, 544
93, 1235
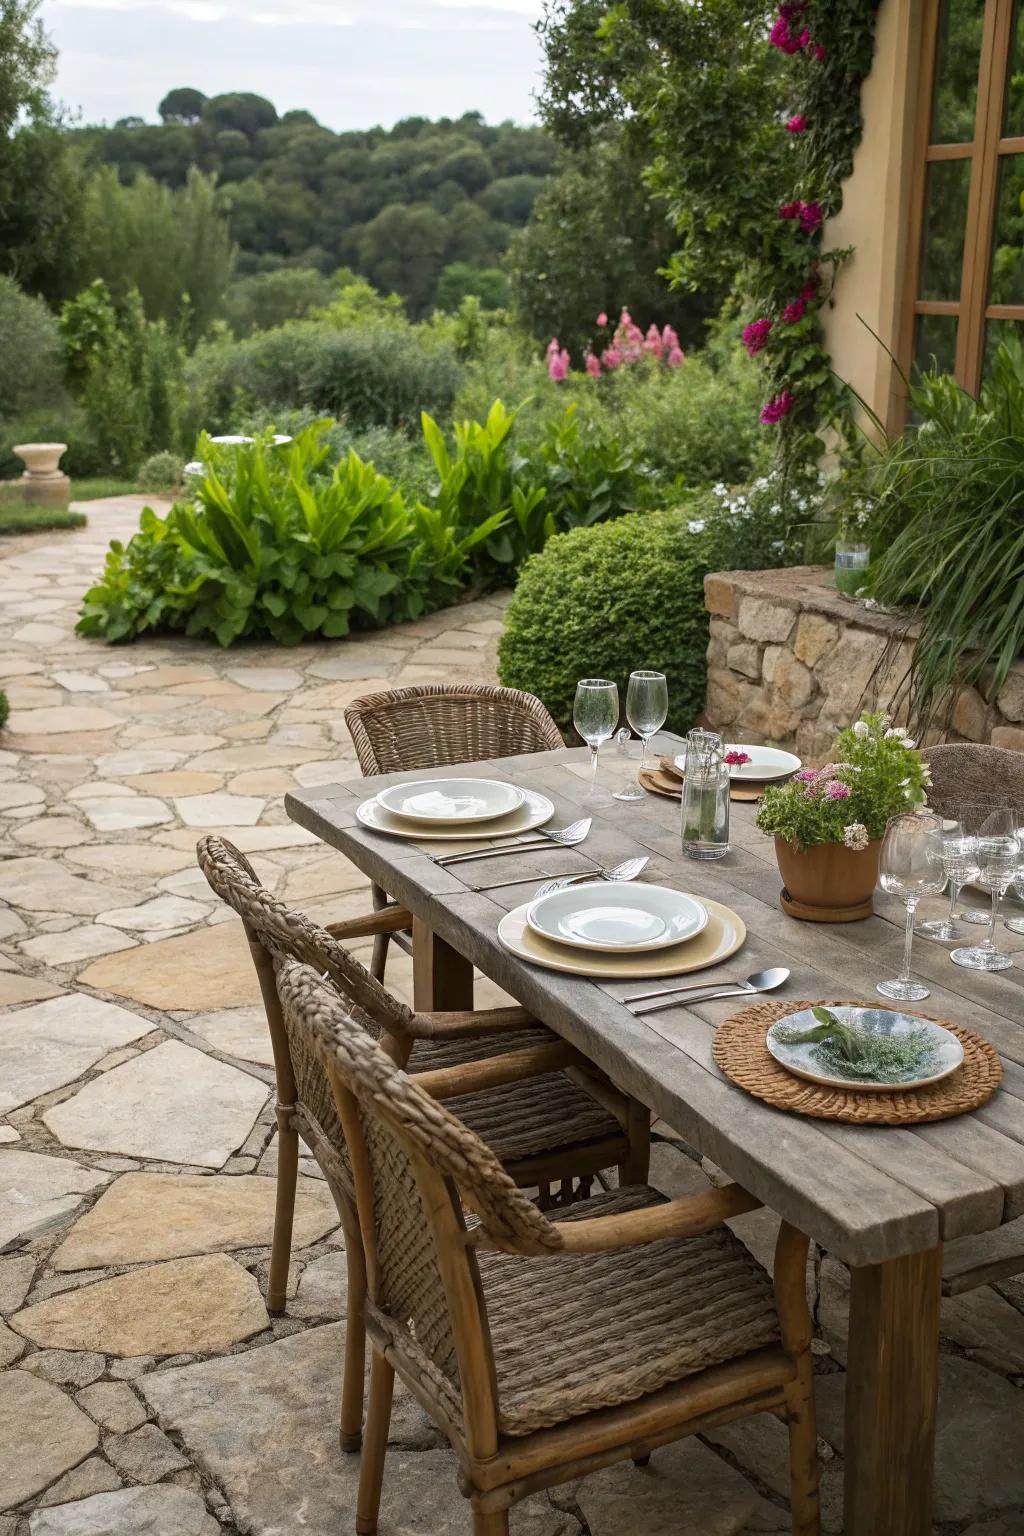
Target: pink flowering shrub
755, 335
627, 346
794, 311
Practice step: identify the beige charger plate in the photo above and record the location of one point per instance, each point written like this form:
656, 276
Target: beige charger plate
535, 811
721, 938
661, 783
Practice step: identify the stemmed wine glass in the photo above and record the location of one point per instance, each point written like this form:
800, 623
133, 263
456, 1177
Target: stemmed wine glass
646, 711
990, 816
595, 715
999, 856
960, 864
911, 867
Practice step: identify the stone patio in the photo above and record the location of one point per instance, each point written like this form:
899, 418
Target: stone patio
143, 1388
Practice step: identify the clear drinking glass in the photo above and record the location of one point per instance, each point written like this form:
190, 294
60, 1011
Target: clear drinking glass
998, 859
646, 711
705, 813
992, 817
910, 867
959, 864
1016, 924
595, 715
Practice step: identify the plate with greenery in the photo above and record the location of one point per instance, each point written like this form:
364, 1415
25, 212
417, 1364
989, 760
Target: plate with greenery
873, 1049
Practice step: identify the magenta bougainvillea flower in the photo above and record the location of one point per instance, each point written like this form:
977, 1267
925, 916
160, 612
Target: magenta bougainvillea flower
797, 123
791, 210
794, 311
811, 216
737, 759
809, 291
819, 51
777, 407
791, 9
755, 336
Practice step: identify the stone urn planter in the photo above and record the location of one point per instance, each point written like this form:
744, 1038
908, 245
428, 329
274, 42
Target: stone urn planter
828, 883
43, 480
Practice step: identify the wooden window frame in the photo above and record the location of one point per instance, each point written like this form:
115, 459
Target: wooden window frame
985, 152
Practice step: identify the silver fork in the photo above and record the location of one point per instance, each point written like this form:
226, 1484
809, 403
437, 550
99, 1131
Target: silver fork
565, 837
628, 870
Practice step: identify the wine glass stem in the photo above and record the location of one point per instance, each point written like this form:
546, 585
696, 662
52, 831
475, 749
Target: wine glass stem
954, 897
643, 757
997, 900
593, 768
908, 940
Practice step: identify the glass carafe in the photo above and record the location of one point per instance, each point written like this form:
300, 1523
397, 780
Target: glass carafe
706, 779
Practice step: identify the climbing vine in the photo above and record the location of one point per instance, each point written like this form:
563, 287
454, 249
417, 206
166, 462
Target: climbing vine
747, 118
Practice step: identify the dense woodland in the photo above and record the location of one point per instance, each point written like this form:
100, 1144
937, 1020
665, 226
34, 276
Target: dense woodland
424, 209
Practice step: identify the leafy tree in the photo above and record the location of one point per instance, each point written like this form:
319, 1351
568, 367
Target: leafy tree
182, 105
404, 250
267, 299
32, 354
39, 180
596, 242
459, 281
172, 247
242, 110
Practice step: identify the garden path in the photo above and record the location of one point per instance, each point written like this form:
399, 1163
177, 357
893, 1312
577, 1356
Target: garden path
142, 1388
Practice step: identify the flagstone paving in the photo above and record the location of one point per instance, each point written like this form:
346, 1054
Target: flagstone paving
144, 1390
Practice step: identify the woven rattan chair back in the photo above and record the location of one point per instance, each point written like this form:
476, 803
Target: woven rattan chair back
284, 932
962, 772
415, 1166
437, 723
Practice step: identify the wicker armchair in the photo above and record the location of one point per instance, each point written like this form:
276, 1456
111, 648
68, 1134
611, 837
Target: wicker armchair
427, 726
547, 1349
964, 771
507, 1071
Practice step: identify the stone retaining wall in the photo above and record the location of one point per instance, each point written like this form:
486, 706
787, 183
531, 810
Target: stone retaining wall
791, 661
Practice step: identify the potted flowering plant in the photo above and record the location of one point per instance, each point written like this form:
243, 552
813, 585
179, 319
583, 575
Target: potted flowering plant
828, 822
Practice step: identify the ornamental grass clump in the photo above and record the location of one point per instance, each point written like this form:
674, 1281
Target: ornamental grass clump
877, 774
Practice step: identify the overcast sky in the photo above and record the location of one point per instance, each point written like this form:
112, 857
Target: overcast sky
353, 63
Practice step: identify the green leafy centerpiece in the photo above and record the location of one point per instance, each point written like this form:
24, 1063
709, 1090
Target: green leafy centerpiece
875, 1056
828, 822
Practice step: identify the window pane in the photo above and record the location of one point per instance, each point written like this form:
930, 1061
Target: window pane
935, 343
1008, 239
945, 215
1014, 120
997, 331
957, 58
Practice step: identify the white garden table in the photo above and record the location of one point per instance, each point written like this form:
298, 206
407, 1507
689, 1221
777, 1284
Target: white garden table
883, 1200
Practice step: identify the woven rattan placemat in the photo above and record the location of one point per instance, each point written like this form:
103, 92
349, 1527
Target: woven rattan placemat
661, 783
740, 1052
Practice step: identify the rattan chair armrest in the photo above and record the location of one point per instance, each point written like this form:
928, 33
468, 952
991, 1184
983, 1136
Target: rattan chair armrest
471, 1023
387, 920
495, 1071
651, 1224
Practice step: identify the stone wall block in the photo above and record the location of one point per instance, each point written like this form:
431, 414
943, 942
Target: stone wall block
1011, 697
725, 698
971, 716
719, 596
813, 637
760, 619
846, 678
1009, 736
745, 658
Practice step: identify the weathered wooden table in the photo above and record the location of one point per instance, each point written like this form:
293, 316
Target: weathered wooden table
884, 1201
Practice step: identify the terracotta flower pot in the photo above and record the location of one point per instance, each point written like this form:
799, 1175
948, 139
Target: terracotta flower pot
828, 883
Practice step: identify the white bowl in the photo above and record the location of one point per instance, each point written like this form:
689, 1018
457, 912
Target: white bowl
451, 800
617, 918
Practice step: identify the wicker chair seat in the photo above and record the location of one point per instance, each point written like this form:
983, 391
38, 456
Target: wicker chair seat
575, 1333
435, 1055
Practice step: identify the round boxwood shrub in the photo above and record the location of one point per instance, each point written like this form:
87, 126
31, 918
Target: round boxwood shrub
602, 601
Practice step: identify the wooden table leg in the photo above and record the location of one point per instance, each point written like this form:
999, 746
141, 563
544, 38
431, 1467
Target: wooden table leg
442, 979
891, 1394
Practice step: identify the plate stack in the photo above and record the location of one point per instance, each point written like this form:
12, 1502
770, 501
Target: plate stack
608, 931
452, 810
765, 765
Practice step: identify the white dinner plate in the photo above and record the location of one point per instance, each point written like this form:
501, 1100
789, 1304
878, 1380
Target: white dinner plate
535, 811
451, 800
801, 1061
617, 919
766, 763
721, 938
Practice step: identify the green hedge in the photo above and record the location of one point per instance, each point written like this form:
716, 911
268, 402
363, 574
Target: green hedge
602, 601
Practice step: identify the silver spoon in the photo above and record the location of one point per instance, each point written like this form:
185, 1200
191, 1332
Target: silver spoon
566, 837
760, 981
628, 870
